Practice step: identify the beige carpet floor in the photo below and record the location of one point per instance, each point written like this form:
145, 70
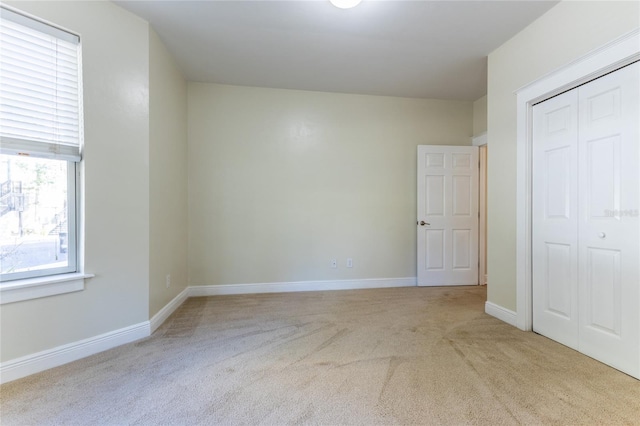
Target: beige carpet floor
365, 357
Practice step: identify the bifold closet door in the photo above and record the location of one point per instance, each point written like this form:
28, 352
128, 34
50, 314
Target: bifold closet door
609, 231
555, 218
586, 229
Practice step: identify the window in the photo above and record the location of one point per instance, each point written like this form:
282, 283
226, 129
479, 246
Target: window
40, 141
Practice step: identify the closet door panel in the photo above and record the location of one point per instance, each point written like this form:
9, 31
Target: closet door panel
586, 224
555, 221
609, 231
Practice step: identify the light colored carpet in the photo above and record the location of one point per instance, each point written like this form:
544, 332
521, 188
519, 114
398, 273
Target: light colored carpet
384, 356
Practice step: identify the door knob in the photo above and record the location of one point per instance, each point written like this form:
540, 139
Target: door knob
602, 235
423, 223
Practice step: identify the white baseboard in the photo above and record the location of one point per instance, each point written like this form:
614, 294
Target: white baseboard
284, 287
164, 313
501, 313
35, 363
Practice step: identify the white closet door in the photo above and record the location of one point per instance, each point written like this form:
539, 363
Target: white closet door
586, 226
555, 218
609, 231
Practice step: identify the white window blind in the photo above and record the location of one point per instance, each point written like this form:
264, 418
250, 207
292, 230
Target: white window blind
40, 96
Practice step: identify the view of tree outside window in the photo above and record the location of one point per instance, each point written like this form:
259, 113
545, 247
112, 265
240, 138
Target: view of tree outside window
33, 214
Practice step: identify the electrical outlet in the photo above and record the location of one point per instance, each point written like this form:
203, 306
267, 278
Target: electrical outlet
349, 262
334, 263
168, 280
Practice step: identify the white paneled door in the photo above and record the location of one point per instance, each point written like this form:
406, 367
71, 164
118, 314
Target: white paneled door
447, 215
586, 224
555, 218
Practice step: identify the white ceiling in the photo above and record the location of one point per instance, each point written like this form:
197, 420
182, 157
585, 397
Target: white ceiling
421, 49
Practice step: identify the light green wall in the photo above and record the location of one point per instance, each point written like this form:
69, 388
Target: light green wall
116, 193
167, 175
282, 181
565, 33
480, 116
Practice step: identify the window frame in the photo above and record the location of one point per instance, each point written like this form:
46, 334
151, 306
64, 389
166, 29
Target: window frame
26, 285
72, 232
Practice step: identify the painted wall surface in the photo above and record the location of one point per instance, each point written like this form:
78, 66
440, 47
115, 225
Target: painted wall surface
480, 116
562, 35
282, 181
167, 176
116, 191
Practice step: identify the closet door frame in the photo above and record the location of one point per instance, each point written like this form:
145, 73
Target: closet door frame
616, 54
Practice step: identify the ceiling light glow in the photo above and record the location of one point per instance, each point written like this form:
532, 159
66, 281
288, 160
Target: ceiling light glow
345, 4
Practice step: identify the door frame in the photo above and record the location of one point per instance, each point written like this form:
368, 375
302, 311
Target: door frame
613, 55
482, 142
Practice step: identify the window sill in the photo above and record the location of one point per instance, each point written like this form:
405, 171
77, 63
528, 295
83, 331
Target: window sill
34, 288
